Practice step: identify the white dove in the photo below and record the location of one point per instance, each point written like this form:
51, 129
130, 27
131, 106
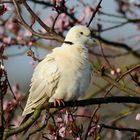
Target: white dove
64, 74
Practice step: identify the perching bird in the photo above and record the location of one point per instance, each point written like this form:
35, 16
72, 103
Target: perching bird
64, 74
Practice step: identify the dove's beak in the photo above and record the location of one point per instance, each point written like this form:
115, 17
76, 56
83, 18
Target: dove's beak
92, 41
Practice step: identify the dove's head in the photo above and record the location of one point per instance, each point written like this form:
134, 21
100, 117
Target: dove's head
79, 34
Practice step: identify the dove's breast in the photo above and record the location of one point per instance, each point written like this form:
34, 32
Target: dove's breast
75, 73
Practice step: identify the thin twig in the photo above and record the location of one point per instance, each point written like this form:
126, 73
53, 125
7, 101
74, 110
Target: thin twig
54, 22
113, 27
111, 15
107, 61
93, 115
94, 13
119, 129
1, 109
9, 85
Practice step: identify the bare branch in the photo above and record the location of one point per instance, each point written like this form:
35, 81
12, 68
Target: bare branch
35, 16
119, 129
51, 35
118, 45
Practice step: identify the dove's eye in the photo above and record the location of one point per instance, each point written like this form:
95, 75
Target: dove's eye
81, 33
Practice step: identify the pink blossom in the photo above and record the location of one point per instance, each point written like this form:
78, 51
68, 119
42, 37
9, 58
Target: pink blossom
27, 33
62, 22
30, 43
59, 120
7, 40
19, 38
1, 30
13, 25
5, 104
118, 70
3, 8
138, 117
62, 132
87, 14
67, 118
61, 124
112, 72
9, 25
115, 71
91, 131
88, 11
2, 67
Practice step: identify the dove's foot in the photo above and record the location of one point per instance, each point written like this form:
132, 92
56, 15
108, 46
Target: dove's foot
59, 102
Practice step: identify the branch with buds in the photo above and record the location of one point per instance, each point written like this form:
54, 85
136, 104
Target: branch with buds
81, 103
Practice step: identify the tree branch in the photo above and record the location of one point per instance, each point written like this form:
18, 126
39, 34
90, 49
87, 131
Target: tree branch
113, 27
118, 45
70, 15
94, 101
1, 111
50, 35
24, 126
119, 129
35, 16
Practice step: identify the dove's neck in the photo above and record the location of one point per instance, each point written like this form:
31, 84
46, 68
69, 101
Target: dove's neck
74, 40
76, 43
68, 42
75, 48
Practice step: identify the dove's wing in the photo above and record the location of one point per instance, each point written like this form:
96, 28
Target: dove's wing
43, 84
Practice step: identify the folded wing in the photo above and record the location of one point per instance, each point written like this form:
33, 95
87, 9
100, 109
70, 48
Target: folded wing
43, 84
